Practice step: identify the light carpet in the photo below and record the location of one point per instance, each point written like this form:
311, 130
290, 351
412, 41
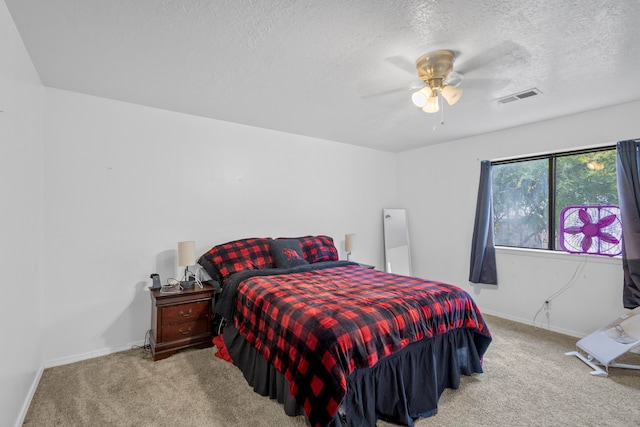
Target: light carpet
527, 381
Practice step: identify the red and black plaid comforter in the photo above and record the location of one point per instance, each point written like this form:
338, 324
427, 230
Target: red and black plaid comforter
317, 326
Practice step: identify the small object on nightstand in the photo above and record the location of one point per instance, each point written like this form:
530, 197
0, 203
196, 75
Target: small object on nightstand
156, 282
172, 287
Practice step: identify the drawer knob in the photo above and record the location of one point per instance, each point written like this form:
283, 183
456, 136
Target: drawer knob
188, 313
187, 332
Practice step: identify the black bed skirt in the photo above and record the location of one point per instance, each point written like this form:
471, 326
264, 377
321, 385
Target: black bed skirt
399, 388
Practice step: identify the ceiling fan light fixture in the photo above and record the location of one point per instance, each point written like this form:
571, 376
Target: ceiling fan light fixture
434, 68
451, 93
420, 97
432, 105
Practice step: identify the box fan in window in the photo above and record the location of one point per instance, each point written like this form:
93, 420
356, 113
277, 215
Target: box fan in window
595, 230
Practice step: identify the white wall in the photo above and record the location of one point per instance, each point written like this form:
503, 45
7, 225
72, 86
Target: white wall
438, 185
97, 193
124, 183
20, 223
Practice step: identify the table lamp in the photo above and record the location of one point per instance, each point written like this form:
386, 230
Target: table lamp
349, 244
187, 257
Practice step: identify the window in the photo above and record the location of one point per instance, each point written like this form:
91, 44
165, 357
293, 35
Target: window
530, 193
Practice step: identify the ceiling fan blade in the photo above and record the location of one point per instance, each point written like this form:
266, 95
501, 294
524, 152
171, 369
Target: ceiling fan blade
454, 79
376, 84
403, 63
506, 54
387, 92
406, 89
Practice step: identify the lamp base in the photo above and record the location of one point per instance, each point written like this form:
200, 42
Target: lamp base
187, 284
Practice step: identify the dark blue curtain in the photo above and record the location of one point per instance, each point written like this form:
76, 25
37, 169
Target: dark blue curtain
483, 252
629, 199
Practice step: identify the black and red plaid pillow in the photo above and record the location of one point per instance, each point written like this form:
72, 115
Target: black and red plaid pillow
318, 248
232, 257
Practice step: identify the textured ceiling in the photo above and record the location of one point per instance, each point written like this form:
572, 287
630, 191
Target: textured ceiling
339, 70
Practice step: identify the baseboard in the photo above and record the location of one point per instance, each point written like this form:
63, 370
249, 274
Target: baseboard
27, 402
90, 355
530, 323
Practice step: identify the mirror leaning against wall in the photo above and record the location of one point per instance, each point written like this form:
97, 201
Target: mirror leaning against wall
397, 253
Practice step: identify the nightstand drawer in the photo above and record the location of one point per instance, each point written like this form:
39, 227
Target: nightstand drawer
185, 312
183, 330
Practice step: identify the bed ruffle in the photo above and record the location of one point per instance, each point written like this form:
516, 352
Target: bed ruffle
399, 388
258, 372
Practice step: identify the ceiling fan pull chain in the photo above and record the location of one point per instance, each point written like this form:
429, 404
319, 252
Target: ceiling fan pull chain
435, 122
441, 109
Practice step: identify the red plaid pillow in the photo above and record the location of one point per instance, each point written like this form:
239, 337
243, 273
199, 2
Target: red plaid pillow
318, 248
239, 255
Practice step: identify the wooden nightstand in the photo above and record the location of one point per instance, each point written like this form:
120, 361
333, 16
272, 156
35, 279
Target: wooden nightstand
181, 320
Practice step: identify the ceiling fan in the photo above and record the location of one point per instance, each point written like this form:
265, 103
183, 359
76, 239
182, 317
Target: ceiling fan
436, 74
436, 71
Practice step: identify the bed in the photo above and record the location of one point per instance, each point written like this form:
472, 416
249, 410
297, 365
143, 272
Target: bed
337, 342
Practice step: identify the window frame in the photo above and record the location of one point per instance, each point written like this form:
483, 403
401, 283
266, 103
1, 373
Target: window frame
551, 184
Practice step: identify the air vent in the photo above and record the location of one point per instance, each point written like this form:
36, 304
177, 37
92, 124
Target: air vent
518, 96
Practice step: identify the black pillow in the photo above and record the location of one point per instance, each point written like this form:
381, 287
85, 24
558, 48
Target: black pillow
286, 253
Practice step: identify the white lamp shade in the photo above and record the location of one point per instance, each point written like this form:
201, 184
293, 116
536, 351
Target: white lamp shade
186, 253
451, 93
420, 97
432, 105
349, 242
